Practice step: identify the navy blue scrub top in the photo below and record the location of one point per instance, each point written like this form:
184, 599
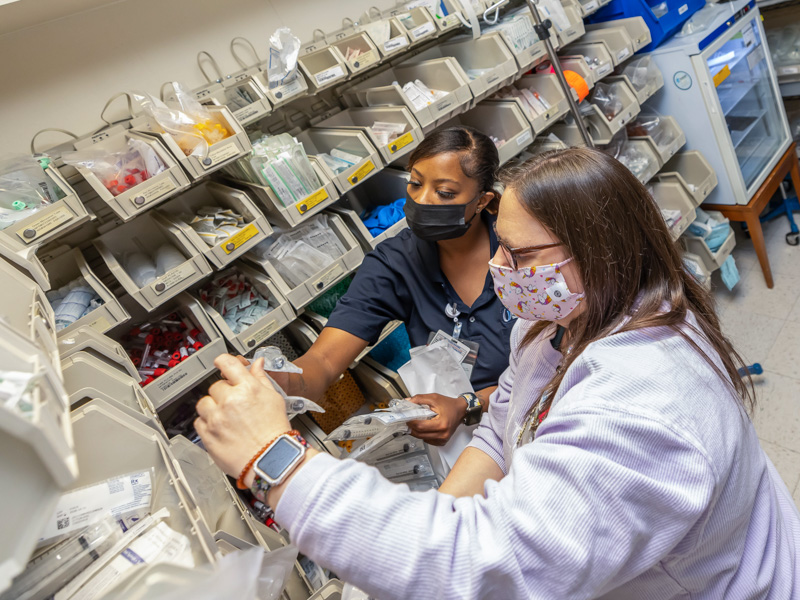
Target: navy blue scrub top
402, 280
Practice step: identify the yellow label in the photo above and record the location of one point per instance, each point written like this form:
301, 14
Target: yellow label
237, 239
51, 220
401, 142
722, 75
361, 172
311, 201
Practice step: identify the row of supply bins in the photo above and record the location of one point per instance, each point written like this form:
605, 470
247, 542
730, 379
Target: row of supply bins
144, 265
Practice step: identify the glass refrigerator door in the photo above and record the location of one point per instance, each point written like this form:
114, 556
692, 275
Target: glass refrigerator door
748, 100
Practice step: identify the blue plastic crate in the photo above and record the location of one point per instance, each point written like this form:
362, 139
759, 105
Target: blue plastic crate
661, 28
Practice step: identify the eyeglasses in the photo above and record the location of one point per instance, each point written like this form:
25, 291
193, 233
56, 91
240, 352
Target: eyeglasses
511, 254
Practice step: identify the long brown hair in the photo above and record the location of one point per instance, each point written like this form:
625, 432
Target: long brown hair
612, 227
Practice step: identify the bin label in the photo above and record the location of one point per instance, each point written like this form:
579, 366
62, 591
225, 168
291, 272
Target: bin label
287, 90
100, 324
328, 278
525, 138
401, 142
395, 44
173, 277
219, 155
237, 239
311, 201
361, 172
261, 335
329, 75
36, 229
248, 112
364, 60
424, 29
153, 192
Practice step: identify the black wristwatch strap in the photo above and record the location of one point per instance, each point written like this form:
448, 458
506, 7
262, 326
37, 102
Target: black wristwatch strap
474, 408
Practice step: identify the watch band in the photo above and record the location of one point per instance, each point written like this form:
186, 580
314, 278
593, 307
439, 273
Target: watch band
260, 487
474, 408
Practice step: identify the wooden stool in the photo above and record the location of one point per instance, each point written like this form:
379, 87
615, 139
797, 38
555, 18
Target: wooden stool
750, 212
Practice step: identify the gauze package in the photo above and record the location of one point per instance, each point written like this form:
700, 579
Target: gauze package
369, 425
73, 301
122, 170
434, 370
283, 51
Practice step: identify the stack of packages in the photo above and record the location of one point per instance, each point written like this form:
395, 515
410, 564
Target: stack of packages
232, 295
420, 95
119, 171
24, 188
386, 132
302, 252
533, 103
144, 269
279, 162
340, 160
715, 228
214, 224
73, 301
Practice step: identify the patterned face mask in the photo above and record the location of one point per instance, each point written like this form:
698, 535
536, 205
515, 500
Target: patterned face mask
535, 293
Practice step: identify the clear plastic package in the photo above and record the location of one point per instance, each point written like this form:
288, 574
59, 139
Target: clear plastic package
275, 360
606, 100
413, 466
283, 52
366, 426
24, 189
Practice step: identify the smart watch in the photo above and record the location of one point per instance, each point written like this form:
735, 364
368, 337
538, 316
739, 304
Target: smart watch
276, 463
474, 408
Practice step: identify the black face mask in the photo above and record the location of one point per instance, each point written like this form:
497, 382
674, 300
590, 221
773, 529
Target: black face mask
435, 222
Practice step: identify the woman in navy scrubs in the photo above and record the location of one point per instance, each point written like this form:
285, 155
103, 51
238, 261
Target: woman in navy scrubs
432, 276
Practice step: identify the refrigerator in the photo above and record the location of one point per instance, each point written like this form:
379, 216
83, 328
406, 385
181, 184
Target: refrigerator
721, 87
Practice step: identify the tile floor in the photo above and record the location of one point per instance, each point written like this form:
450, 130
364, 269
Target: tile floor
764, 326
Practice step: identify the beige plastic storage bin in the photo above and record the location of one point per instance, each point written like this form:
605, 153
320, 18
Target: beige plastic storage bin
211, 193
46, 223
330, 591
589, 7
217, 156
417, 23
600, 127
66, 265
666, 151
216, 94
600, 62
528, 50
25, 309
294, 214
145, 195
317, 140
87, 377
386, 187
670, 195
189, 372
322, 68
379, 384
38, 456
27, 263
255, 335
87, 339
148, 233
362, 119
644, 94
579, 65
501, 119
110, 441
368, 53
455, 18
653, 164
548, 87
486, 63
711, 260
324, 279
441, 74
704, 275
314, 435
693, 172
398, 40
634, 27
576, 28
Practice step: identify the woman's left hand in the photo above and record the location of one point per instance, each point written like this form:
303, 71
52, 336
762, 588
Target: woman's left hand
240, 414
450, 413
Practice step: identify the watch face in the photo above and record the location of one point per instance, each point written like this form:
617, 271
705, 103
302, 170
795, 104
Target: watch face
278, 458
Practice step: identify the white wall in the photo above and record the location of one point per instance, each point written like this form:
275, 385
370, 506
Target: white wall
60, 73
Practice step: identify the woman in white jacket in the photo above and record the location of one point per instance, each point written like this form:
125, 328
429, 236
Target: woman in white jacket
617, 459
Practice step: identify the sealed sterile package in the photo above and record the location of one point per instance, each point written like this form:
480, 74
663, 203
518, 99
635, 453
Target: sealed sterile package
413, 466
398, 444
24, 189
387, 132
140, 268
337, 165
73, 301
365, 450
369, 425
119, 171
51, 570
283, 52
126, 497
295, 405
275, 360
159, 544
